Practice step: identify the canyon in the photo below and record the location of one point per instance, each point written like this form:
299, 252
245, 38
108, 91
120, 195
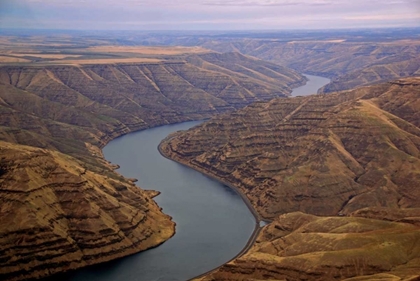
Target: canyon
63, 206
351, 58
332, 172
336, 174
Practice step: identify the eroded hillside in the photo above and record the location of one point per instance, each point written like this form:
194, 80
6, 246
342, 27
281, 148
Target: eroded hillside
350, 62
62, 205
299, 246
324, 155
57, 215
95, 103
354, 153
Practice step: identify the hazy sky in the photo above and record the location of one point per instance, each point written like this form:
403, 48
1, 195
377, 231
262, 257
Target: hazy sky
208, 14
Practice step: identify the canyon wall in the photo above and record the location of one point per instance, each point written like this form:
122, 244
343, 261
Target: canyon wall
343, 155
62, 204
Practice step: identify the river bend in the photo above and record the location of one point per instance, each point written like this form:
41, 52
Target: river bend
213, 224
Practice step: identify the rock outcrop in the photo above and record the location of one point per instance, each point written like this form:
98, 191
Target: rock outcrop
56, 215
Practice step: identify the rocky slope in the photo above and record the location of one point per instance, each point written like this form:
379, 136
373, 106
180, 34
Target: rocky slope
354, 153
350, 62
299, 246
62, 205
350, 57
46, 106
109, 100
324, 155
57, 215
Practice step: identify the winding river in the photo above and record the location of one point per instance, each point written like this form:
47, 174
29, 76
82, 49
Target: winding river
213, 222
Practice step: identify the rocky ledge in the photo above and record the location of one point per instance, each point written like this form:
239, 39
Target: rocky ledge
56, 215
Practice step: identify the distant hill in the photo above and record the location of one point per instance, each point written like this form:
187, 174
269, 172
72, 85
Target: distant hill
349, 64
351, 58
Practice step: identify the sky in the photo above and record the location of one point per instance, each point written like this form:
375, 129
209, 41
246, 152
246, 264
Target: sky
208, 14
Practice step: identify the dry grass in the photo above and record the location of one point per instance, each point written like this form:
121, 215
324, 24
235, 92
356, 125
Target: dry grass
6, 59
319, 41
107, 61
144, 50
47, 56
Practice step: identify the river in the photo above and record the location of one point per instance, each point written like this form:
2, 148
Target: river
311, 87
213, 224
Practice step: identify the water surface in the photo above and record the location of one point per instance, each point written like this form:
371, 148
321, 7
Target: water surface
311, 87
213, 224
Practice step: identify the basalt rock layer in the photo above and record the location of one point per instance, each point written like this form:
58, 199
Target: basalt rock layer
56, 215
96, 103
299, 246
323, 154
348, 154
350, 62
62, 205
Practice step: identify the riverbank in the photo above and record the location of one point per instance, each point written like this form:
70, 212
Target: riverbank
313, 83
245, 199
207, 214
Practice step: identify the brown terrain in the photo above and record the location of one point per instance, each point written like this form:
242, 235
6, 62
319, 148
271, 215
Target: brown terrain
63, 107
298, 246
337, 174
350, 60
58, 215
349, 63
354, 155
62, 205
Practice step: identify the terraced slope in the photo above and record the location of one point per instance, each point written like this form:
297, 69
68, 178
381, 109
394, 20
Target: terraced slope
351, 154
62, 205
62, 107
298, 246
57, 215
323, 155
349, 62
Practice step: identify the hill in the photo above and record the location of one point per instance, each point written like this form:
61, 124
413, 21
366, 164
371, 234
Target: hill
352, 153
63, 206
299, 246
57, 215
325, 154
348, 63
351, 58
